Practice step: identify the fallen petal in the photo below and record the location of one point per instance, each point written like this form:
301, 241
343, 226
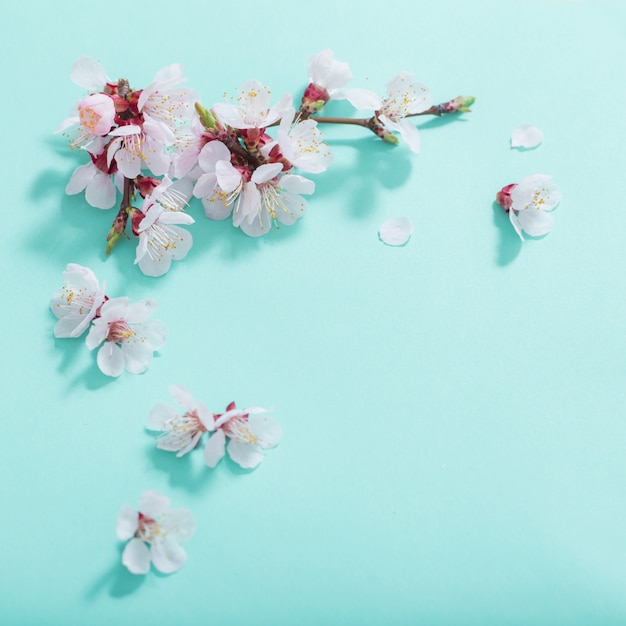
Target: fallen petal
526, 136
396, 231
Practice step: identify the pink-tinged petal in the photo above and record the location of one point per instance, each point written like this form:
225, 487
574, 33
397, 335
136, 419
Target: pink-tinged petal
89, 74
526, 136
186, 161
228, 177
160, 414
179, 524
110, 359
155, 157
153, 503
214, 448
396, 231
80, 178
155, 333
168, 556
535, 223
266, 172
213, 152
244, 454
182, 396
100, 191
127, 523
170, 75
363, 99
136, 557
267, 430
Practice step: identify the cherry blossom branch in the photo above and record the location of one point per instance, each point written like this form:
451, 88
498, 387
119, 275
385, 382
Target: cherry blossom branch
118, 228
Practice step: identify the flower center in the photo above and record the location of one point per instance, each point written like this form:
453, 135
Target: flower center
149, 529
119, 331
238, 429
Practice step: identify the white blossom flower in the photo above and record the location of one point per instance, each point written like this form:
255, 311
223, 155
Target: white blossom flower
128, 339
526, 136
326, 72
247, 436
98, 186
89, 74
217, 203
161, 241
302, 144
77, 302
180, 433
157, 526
530, 199
404, 97
254, 109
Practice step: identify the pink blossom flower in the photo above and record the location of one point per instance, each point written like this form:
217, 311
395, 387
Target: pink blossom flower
154, 534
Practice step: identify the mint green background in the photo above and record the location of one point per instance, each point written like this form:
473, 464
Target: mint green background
453, 410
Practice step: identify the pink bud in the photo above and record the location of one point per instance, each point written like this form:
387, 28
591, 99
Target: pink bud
97, 113
503, 197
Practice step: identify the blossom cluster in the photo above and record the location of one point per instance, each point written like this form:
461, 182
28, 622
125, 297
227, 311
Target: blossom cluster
159, 146
248, 431
127, 338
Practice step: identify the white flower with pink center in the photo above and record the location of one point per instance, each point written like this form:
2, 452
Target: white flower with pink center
529, 201
76, 304
404, 97
128, 338
161, 240
253, 109
247, 436
154, 534
180, 433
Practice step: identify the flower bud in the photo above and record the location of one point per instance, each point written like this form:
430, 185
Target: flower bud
314, 99
378, 129
460, 104
503, 197
206, 117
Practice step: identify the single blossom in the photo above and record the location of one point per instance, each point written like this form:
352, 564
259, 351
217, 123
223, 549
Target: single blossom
247, 436
180, 433
253, 109
527, 203
328, 73
76, 304
89, 74
302, 144
128, 338
154, 534
100, 191
404, 98
161, 240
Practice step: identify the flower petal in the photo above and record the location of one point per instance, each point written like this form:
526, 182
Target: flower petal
110, 359
127, 522
363, 99
214, 448
100, 192
182, 396
88, 74
396, 231
526, 136
153, 503
136, 557
179, 524
245, 455
168, 556
159, 415
535, 223
267, 430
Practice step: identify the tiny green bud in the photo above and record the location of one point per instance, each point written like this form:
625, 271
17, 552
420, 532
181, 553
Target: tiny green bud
206, 117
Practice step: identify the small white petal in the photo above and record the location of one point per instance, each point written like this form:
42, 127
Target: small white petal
363, 99
214, 448
526, 136
535, 223
127, 523
153, 503
267, 430
159, 415
136, 557
396, 231
88, 74
110, 359
245, 455
182, 396
168, 556
179, 524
